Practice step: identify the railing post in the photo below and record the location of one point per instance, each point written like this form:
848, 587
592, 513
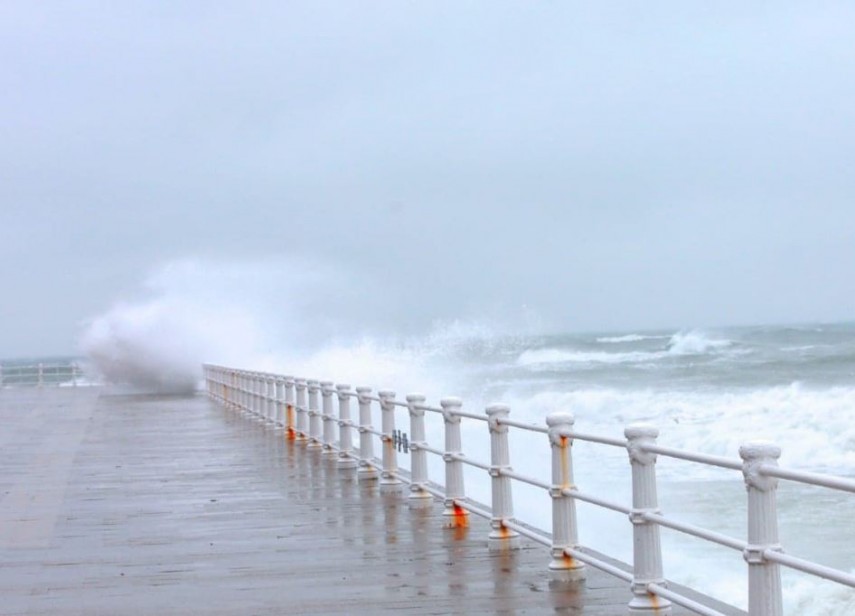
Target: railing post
314, 415
501, 537
302, 412
388, 477
290, 419
259, 396
564, 530
225, 376
366, 444
647, 550
250, 393
270, 399
419, 498
259, 402
764, 576
455, 516
256, 394
328, 419
247, 380
345, 436
279, 402
265, 398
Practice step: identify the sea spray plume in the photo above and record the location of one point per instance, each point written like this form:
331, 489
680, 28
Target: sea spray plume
192, 312
152, 347
280, 315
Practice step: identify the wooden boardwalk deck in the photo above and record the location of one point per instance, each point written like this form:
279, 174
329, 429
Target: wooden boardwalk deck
150, 504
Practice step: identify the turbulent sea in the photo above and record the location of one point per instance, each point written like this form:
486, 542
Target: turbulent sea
707, 391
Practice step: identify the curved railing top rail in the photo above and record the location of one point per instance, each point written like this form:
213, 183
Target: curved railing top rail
273, 397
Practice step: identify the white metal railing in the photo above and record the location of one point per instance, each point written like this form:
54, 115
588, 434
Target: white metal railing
40, 375
272, 398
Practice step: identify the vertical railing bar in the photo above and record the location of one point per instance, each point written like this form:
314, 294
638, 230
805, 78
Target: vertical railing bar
764, 575
647, 548
419, 498
345, 435
501, 537
453, 514
327, 391
388, 476
565, 534
365, 470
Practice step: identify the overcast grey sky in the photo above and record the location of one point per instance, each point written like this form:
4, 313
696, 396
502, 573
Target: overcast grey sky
607, 165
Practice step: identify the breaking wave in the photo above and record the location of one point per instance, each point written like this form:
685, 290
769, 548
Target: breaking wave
694, 343
628, 338
536, 357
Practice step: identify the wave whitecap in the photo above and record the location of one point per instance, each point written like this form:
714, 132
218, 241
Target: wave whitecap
537, 357
694, 343
628, 338
682, 343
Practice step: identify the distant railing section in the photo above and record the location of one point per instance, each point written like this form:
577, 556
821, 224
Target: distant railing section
293, 403
40, 375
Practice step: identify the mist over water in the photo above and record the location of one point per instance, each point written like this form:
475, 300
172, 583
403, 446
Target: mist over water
708, 390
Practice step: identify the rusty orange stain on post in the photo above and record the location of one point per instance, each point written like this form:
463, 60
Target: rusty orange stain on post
504, 531
565, 483
289, 414
461, 518
654, 600
460, 522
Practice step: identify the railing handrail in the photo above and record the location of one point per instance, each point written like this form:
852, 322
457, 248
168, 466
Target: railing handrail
758, 465
16, 374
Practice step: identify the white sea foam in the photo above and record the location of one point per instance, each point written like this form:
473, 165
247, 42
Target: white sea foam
694, 342
682, 343
813, 426
628, 338
800, 348
537, 357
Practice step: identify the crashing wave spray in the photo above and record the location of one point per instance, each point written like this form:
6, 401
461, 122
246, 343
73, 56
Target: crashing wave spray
276, 315
191, 313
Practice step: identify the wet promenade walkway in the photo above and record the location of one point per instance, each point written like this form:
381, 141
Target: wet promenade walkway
151, 504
